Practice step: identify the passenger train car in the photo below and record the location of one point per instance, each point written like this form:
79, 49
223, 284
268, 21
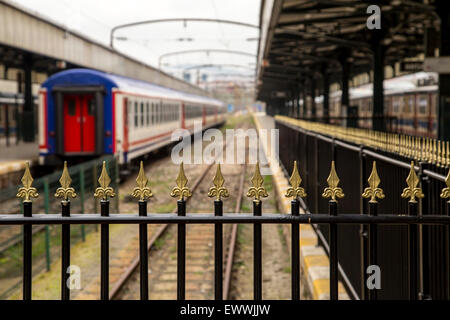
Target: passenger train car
86, 113
410, 100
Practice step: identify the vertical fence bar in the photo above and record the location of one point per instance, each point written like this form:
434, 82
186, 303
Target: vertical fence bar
373, 238
117, 182
82, 193
363, 229
27, 252
104, 255
143, 251
94, 175
65, 251
413, 249
181, 252
47, 228
333, 245
295, 252
447, 251
218, 252
257, 254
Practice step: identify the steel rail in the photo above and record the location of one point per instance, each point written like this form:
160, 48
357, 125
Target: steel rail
232, 243
135, 263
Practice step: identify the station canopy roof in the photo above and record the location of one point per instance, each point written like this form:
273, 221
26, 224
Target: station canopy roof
303, 38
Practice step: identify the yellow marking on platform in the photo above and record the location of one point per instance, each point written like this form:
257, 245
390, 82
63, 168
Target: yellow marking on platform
320, 287
308, 241
305, 227
316, 261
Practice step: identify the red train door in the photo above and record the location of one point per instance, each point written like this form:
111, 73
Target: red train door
72, 123
79, 123
88, 125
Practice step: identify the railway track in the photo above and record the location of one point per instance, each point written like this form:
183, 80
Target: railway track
122, 272
131, 274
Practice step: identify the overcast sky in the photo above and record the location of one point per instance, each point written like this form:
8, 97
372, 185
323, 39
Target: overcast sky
95, 18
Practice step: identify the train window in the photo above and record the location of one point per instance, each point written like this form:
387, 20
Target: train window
142, 114
130, 114
422, 104
395, 105
71, 108
158, 113
136, 115
147, 107
153, 113
165, 112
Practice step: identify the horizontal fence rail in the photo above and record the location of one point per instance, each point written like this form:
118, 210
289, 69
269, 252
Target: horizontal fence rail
414, 257
335, 217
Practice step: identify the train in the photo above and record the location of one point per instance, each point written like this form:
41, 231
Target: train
85, 113
410, 104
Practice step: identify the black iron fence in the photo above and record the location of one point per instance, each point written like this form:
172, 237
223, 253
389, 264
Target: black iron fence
395, 241
84, 180
413, 258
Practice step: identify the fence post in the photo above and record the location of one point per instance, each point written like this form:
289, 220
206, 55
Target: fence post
218, 252
373, 192
363, 228
143, 251
82, 193
117, 181
142, 191
27, 192
257, 191
64, 192
333, 192
295, 252
218, 191
47, 228
181, 191
412, 192
295, 191
104, 192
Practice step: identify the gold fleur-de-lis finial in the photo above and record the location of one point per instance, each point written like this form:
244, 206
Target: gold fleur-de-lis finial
373, 192
104, 191
27, 191
333, 191
257, 190
412, 191
181, 190
295, 190
218, 190
445, 193
65, 191
142, 190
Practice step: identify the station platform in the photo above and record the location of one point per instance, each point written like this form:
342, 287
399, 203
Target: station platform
313, 258
13, 159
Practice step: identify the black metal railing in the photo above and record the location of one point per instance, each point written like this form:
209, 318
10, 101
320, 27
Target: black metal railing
335, 237
413, 257
181, 220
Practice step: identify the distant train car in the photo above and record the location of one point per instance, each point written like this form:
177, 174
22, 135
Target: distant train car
410, 101
86, 113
